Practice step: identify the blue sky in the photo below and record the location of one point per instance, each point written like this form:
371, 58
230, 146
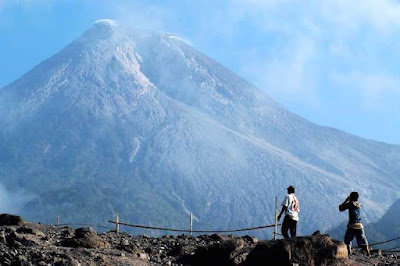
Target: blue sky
334, 62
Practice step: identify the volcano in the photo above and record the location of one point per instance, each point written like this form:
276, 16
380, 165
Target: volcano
142, 122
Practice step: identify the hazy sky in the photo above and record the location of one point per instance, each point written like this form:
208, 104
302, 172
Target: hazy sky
334, 62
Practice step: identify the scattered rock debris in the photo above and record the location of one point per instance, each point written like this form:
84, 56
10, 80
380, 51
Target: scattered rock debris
23, 243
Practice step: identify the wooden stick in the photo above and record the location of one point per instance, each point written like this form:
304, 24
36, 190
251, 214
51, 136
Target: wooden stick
276, 219
191, 223
116, 221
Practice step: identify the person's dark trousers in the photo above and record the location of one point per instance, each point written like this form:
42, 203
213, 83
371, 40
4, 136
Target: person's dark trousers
288, 225
360, 236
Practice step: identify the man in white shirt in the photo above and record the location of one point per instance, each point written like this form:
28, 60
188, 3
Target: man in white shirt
291, 207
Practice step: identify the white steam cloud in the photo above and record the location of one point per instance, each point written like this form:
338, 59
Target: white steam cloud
13, 201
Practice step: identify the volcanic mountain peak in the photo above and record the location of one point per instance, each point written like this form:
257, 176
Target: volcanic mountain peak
146, 117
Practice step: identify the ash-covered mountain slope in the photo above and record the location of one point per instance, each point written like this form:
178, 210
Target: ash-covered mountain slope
144, 123
388, 227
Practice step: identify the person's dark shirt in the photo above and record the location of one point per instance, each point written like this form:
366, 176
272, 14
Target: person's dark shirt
354, 208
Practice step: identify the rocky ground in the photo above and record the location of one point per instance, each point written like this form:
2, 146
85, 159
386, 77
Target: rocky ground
23, 243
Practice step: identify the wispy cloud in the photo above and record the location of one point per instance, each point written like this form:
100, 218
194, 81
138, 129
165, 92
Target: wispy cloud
141, 14
373, 88
287, 75
382, 15
13, 201
335, 36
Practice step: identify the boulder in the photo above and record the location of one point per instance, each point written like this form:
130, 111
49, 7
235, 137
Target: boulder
31, 231
84, 232
67, 232
250, 239
227, 251
9, 219
132, 248
86, 238
314, 250
17, 240
218, 237
270, 253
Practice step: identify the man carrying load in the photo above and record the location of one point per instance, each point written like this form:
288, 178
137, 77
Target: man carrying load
354, 228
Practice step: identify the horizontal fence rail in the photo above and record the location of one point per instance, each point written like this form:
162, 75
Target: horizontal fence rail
193, 231
391, 249
383, 242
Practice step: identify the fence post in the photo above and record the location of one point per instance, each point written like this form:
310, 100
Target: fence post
58, 220
276, 218
116, 221
191, 223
